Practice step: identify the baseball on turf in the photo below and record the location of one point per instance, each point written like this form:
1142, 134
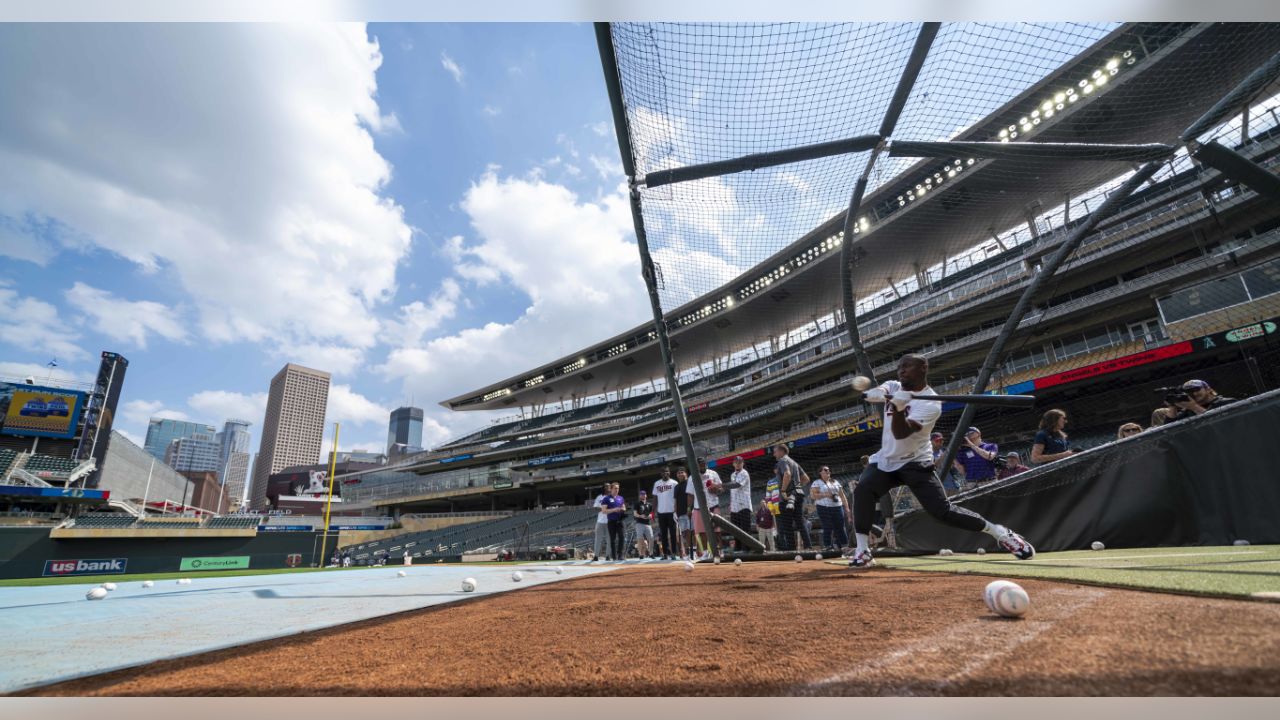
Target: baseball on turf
944, 551
559, 571
184, 581
469, 585
1006, 599
862, 383
981, 551
148, 583
96, 594
1240, 543
688, 566
401, 573
1097, 545
517, 576
108, 586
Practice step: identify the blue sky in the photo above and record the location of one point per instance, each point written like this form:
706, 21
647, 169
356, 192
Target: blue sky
418, 208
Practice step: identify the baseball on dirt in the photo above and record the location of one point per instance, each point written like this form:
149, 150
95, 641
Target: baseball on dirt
96, 594
1097, 545
688, 566
737, 561
1006, 599
818, 556
517, 576
799, 558
469, 585
108, 586
862, 383
716, 561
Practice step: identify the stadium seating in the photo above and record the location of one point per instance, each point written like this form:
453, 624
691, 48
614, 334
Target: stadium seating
39, 463
103, 522
165, 524
233, 522
7, 457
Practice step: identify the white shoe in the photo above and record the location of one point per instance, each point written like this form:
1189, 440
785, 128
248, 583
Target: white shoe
1017, 545
862, 560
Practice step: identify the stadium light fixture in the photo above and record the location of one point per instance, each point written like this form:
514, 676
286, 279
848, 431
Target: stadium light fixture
1113, 63
1088, 88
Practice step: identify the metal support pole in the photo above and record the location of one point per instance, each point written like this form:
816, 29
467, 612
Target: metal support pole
609, 64
1049, 267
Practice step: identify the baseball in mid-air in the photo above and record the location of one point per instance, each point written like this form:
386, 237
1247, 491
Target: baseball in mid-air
517, 576
469, 585
861, 383
1097, 545
1006, 599
96, 594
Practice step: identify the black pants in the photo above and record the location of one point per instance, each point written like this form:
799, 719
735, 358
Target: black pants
615, 540
875, 484
886, 502
789, 523
667, 534
741, 520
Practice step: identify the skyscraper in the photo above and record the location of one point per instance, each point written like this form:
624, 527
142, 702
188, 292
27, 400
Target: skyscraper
162, 431
237, 472
234, 438
405, 431
198, 453
293, 426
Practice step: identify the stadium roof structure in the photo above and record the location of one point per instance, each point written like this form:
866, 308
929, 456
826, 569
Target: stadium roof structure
801, 282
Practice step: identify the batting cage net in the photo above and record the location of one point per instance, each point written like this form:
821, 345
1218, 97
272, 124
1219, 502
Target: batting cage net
1084, 213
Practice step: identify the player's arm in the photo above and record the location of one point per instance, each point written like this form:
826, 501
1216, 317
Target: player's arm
902, 426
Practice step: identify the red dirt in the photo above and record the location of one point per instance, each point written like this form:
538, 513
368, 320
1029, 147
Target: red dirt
758, 629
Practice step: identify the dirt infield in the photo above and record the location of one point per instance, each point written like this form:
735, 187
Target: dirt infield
758, 629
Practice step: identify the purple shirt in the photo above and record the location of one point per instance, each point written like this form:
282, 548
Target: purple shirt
608, 503
977, 467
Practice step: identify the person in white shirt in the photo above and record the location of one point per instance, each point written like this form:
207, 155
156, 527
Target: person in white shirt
664, 500
828, 496
739, 487
602, 525
906, 458
713, 487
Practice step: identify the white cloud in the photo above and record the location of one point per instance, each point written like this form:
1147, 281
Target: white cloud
418, 318
34, 325
236, 158
218, 406
331, 358
491, 110
123, 319
601, 128
454, 69
136, 414
610, 170
351, 408
575, 260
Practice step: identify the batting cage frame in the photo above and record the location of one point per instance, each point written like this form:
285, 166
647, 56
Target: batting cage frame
1147, 160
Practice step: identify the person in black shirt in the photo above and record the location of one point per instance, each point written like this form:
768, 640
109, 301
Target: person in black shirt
1200, 399
682, 513
644, 526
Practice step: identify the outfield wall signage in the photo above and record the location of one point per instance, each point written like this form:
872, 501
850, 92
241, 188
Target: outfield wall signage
550, 459
239, 562
285, 528
76, 493
64, 568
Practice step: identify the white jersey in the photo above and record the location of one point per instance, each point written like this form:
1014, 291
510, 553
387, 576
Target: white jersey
664, 495
915, 448
709, 478
740, 497
602, 518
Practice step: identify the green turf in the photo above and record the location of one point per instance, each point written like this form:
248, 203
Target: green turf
93, 579
1219, 571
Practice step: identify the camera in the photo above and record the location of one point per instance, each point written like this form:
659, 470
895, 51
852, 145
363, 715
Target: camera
1001, 462
1174, 394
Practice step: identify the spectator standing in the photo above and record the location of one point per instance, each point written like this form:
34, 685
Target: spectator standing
1012, 466
713, 487
602, 524
978, 458
664, 493
1051, 440
791, 481
765, 526
644, 527
682, 514
950, 478
408, 559
616, 510
1200, 399
828, 496
739, 487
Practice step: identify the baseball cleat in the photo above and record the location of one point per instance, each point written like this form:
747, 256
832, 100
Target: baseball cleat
862, 560
1017, 545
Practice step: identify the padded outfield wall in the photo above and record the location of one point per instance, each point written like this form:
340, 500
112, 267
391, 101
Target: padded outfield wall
1209, 480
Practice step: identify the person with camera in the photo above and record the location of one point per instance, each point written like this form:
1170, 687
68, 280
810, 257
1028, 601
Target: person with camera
1051, 440
1012, 466
979, 459
1195, 397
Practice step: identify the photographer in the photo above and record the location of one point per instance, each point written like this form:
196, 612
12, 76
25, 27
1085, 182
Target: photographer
1195, 397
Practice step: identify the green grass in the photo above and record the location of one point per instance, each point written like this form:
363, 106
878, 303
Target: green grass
1217, 571
94, 579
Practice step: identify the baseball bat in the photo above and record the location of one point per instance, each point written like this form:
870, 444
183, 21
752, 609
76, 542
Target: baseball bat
1003, 400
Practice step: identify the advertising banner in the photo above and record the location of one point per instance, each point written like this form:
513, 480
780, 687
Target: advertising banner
38, 411
215, 563
77, 493
63, 568
550, 459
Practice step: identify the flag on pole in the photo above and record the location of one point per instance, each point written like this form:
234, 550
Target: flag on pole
52, 363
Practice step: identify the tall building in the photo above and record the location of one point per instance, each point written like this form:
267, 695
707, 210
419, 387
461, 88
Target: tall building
237, 472
404, 432
198, 453
162, 431
234, 438
293, 426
